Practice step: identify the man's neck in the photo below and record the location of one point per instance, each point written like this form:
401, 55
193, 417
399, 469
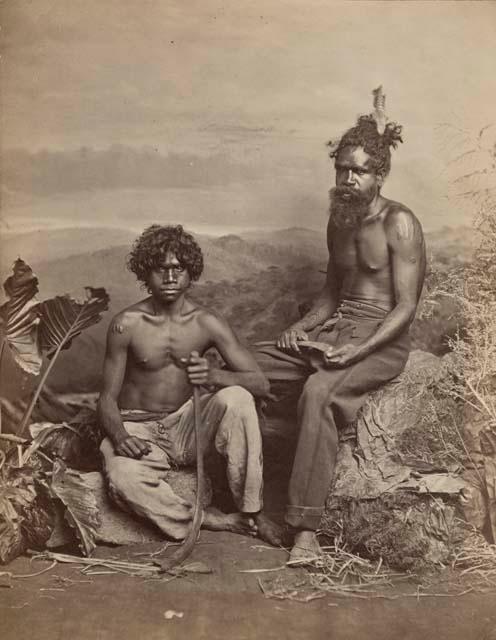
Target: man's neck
375, 208
168, 309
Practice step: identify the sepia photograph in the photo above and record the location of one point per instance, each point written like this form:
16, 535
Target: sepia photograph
248, 320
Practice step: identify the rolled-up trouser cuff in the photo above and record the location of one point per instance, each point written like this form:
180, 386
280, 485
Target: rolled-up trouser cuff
304, 517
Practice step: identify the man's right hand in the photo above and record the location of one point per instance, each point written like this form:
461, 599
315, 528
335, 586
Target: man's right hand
132, 447
288, 341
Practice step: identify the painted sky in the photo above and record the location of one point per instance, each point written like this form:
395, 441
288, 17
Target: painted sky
248, 92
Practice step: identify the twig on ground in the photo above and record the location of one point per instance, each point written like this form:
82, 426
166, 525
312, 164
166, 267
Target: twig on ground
38, 573
283, 566
9, 437
130, 568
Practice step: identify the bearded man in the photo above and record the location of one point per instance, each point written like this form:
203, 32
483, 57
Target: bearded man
374, 279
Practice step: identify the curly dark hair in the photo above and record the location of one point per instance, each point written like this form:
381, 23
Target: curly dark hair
365, 134
152, 245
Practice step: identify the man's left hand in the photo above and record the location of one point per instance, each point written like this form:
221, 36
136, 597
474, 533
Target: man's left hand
198, 369
342, 356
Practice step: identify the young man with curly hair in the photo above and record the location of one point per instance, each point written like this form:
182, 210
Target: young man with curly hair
155, 355
374, 279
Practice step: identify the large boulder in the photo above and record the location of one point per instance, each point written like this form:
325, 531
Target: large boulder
397, 485
385, 454
86, 513
397, 489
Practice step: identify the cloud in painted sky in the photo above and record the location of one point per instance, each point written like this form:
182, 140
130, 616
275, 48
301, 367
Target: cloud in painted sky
47, 173
119, 71
263, 84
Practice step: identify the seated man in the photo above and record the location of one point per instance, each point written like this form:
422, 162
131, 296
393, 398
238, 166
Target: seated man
374, 280
154, 356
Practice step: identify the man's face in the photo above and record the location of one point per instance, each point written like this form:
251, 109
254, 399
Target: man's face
169, 279
357, 184
355, 176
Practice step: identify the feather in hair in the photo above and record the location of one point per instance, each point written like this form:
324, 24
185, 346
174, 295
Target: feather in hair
379, 109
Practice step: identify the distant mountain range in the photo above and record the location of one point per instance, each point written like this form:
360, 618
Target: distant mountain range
66, 260
256, 279
54, 244
226, 257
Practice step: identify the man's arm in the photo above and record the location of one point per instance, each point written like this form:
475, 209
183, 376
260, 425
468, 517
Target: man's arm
242, 369
407, 254
114, 367
322, 307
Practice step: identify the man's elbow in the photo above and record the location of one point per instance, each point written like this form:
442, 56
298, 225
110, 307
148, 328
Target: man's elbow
263, 386
105, 400
100, 406
408, 312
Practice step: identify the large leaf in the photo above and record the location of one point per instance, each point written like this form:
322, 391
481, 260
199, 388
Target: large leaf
19, 318
24, 520
63, 318
70, 487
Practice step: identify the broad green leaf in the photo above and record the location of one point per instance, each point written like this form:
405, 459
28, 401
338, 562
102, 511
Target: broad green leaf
19, 317
63, 318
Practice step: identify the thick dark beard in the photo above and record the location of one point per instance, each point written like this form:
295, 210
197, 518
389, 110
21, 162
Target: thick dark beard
347, 214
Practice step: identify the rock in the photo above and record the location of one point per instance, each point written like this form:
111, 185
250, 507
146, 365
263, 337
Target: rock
373, 464
93, 518
394, 493
389, 503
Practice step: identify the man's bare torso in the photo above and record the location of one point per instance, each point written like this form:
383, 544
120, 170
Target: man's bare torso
362, 262
155, 378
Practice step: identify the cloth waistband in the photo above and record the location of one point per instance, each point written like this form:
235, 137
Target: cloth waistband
139, 415
364, 310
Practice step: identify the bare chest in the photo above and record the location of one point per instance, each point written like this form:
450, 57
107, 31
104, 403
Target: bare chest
364, 249
157, 344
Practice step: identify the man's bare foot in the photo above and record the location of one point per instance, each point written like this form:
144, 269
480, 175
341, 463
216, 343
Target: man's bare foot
306, 549
215, 520
268, 530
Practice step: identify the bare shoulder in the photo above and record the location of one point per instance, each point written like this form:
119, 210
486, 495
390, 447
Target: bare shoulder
124, 321
215, 327
210, 319
402, 226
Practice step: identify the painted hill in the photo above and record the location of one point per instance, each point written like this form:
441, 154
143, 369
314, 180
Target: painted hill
227, 257
56, 244
256, 279
242, 278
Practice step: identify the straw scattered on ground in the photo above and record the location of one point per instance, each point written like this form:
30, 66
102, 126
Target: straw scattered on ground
340, 573
476, 562
108, 566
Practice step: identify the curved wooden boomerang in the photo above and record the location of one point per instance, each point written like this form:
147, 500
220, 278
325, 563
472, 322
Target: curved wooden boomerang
182, 552
323, 347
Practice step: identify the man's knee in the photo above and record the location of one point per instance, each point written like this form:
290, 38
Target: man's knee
264, 360
235, 399
120, 472
316, 389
